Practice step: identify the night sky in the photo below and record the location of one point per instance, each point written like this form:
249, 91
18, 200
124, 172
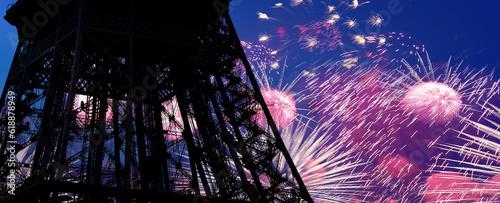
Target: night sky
446, 27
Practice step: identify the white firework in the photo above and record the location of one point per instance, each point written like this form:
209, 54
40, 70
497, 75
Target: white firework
476, 176
326, 167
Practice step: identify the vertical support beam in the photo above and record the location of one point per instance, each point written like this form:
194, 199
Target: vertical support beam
75, 70
128, 111
101, 137
48, 105
91, 160
186, 134
141, 145
41, 134
161, 147
117, 144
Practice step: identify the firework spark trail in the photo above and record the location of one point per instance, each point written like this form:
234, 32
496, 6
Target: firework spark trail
346, 95
351, 23
260, 54
319, 36
324, 162
317, 27
391, 46
475, 90
375, 21
327, 170
354, 99
355, 4
470, 85
480, 157
280, 98
368, 104
451, 187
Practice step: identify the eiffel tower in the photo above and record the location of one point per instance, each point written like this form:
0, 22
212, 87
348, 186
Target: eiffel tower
136, 101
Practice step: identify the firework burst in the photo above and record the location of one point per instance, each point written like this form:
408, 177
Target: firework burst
391, 116
319, 37
355, 4
436, 95
432, 102
260, 54
315, 27
351, 23
280, 99
375, 21
474, 175
281, 105
355, 100
373, 106
329, 172
441, 98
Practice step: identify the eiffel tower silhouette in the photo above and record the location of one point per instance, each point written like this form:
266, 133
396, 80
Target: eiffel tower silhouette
136, 101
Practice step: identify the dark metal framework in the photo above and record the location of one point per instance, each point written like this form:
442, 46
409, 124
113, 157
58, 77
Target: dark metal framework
134, 101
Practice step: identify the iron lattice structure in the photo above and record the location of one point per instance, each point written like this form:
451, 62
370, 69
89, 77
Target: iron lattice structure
135, 101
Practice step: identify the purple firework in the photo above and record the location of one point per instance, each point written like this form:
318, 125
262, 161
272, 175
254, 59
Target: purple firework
319, 36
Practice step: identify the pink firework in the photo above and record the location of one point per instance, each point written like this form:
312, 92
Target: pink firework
281, 105
319, 36
432, 102
452, 187
492, 187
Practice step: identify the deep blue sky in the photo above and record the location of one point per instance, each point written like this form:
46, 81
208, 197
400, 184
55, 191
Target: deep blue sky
446, 27
8, 42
